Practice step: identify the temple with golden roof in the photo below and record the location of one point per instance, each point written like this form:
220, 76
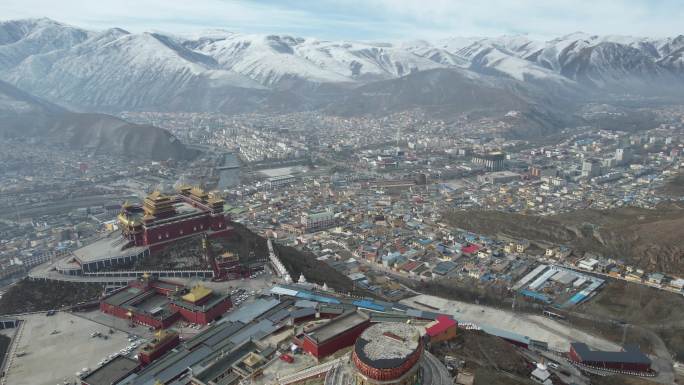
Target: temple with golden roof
165, 218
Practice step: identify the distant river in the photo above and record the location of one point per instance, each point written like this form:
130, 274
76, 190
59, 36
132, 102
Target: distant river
231, 177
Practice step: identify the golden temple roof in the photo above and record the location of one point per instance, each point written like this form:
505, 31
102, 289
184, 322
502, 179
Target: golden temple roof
157, 195
198, 192
252, 359
197, 293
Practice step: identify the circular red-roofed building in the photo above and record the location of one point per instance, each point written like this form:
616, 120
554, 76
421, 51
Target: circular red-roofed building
388, 354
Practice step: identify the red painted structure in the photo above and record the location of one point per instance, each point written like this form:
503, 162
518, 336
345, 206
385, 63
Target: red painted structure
201, 315
158, 347
344, 337
443, 329
227, 266
157, 221
163, 220
126, 304
387, 374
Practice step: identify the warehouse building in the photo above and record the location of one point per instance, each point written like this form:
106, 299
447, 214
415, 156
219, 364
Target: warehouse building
111, 373
629, 359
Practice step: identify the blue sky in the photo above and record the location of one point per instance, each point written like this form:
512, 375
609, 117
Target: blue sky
367, 19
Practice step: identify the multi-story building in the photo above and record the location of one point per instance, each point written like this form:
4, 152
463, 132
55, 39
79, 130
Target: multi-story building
318, 221
491, 161
622, 155
591, 168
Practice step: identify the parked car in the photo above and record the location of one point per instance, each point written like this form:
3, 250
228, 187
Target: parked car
287, 358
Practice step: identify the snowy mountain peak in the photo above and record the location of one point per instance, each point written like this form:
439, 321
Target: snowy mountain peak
116, 67
574, 36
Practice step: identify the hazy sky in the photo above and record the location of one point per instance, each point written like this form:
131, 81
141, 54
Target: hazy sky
367, 19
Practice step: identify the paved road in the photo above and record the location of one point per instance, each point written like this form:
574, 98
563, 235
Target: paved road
434, 372
339, 375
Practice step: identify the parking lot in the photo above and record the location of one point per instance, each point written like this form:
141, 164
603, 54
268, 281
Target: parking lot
52, 349
558, 335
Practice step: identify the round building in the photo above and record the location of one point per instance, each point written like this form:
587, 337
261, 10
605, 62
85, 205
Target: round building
388, 354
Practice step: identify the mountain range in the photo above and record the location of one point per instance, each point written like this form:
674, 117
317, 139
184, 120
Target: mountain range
221, 71
25, 116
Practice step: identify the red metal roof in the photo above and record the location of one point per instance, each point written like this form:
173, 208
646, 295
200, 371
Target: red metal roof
411, 265
443, 323
470, 249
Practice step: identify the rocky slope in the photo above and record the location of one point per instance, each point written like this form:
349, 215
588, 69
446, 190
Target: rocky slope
651, 239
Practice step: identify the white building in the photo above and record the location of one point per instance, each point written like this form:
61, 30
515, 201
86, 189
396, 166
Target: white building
318, 221
588, 264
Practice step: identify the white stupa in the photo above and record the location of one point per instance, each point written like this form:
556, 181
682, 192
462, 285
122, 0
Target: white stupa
541, 375
302, 279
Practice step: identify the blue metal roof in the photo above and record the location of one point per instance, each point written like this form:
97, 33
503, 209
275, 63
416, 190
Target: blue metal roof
505, 334
367, 304
316, 297
535, 295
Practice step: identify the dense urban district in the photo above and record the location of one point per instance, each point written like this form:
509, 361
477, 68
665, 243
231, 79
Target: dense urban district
312, 249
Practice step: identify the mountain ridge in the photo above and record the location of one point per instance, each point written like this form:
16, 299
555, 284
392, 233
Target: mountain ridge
28, 117
221, 71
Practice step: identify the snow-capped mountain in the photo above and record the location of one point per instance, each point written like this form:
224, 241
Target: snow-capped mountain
115, 69
272, 59
22, 38
233, 72
599, 61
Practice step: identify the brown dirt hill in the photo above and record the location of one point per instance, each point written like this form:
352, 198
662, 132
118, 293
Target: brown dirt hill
651, 239
675, 185
491, 359
621, 380
248, 244
30, 296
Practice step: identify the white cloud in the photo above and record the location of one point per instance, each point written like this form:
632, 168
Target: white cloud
371, 19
